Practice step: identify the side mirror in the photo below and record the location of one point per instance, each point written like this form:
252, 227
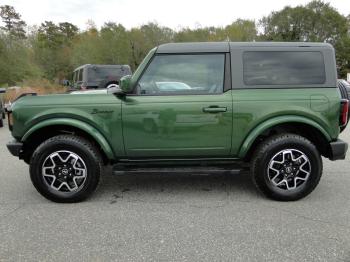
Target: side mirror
125, 85
114, 89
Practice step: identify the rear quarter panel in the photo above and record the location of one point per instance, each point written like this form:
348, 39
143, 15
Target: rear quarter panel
318, 105
253, 107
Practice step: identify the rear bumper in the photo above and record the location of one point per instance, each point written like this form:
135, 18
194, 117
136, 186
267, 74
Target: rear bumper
338, 149
15, 147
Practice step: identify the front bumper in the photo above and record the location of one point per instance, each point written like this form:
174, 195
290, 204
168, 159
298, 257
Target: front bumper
338, 149
15, 147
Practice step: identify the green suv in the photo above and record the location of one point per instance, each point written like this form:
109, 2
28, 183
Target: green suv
211, 106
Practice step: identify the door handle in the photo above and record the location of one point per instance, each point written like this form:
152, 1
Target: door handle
214, 109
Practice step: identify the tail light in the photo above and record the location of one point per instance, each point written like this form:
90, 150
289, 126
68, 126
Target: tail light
344, 111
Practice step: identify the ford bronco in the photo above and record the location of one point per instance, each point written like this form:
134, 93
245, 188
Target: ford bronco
273, 107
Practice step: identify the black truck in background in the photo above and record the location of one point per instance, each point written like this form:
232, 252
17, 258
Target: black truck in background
91, 76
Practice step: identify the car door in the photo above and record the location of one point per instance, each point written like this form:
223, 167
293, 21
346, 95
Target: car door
181, 107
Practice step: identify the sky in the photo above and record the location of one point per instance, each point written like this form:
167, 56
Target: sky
175, 14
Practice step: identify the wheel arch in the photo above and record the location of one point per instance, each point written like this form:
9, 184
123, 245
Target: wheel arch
52, 127
297, 125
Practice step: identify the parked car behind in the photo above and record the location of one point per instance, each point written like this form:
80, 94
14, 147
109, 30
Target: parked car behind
345, 85
344, 88
98, 76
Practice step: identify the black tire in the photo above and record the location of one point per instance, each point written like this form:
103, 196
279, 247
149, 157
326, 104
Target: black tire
78, 147
269, 150
105, 85
1, 122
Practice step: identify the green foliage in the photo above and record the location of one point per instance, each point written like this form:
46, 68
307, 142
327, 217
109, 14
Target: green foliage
14, 26
52, 50
315, 22
52, 45
16, 61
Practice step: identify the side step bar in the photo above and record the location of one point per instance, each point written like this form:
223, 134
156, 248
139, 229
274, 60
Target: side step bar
121, 169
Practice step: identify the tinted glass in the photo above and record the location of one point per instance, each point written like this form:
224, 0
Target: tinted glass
283, 68
80, 78
183, 74
75, 76
101, 73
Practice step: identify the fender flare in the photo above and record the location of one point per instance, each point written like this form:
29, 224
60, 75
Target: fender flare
262, 127
93, 132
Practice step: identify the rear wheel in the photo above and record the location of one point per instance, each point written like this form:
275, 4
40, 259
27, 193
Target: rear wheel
111, 85
1, 122
286, 167
65, 168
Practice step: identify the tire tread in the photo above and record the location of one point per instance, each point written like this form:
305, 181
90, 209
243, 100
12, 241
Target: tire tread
76, 140
263, 149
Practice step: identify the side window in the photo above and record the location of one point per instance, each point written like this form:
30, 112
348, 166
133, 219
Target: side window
80, 77
283, 68
183, 74
101, 73
75, 76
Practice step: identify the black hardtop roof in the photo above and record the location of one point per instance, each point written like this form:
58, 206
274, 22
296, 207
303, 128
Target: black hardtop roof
214, 47
97, 65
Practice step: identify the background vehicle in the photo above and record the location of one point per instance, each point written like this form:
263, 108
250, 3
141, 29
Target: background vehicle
98, 76
274, 106
344, 87
2, 109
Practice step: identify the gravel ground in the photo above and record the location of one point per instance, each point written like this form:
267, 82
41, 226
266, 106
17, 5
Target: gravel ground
177, 217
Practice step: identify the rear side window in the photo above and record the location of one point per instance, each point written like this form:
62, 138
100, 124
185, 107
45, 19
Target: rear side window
75, 76
283, 68
101, 73
80, 77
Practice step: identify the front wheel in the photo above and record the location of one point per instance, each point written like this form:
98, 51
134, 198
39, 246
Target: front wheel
286, 167
65, 168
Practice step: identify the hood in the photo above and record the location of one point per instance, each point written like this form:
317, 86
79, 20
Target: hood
68, 99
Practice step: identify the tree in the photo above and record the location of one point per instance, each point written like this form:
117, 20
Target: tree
16, 63
114, 45
142, 39
241, 30
52, 48
317, 21
314, 22
14, 26
68, 31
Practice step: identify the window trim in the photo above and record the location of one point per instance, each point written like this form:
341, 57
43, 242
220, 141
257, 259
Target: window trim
288, 85
227, 84
80, 74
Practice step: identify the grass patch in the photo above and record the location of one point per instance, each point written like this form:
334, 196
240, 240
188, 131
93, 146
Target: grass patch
39, 86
